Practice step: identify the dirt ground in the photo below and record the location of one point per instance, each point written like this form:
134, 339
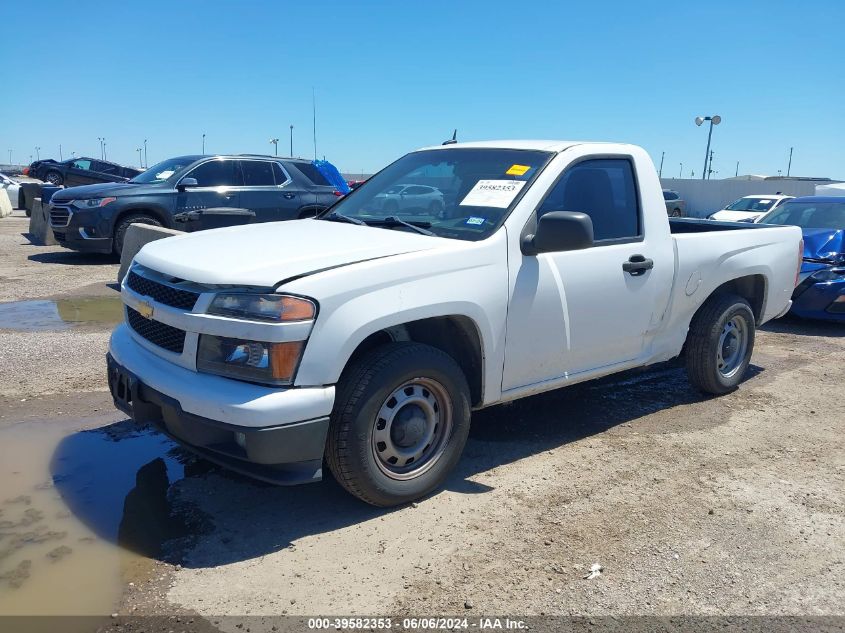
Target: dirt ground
690, 505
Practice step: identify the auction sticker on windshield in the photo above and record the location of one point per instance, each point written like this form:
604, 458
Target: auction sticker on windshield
493, 193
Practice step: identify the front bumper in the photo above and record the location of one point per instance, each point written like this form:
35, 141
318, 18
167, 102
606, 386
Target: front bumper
70, 233
276, 435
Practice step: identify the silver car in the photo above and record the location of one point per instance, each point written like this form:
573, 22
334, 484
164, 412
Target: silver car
408, 199
13, 188
675, 206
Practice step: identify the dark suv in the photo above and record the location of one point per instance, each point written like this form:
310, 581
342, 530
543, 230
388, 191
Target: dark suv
94, 218
79, 171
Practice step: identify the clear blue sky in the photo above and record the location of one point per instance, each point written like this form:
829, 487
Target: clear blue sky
392, 76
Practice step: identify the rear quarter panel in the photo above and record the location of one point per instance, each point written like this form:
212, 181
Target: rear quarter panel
705, 261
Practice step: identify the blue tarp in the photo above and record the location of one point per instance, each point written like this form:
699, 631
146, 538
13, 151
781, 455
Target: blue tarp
332, 175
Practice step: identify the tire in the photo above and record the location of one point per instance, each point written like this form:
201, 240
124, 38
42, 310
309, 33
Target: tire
55, 178
123, 225
367, 431
719, 344
676, 213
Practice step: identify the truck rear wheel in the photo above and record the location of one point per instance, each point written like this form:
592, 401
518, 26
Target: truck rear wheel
719, 344
399, 424
54, 177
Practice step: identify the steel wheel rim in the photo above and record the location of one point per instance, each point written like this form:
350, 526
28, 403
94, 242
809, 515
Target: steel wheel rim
733, 344
411, 429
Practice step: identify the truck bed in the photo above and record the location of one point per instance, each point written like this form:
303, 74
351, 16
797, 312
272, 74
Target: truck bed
695, 225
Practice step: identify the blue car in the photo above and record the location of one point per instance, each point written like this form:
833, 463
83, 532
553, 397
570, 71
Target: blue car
820, 293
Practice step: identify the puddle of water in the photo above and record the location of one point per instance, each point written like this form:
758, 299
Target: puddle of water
79, 510
60, 314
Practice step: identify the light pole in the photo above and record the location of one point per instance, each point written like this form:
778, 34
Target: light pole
102, 140
737, 169
291, 141
710, 169
104, 150
60, 152
714, 120
203, 143
37, 153
10, 157
660, 173
139, 157
789, 167
146, 163
681, 172
275, 143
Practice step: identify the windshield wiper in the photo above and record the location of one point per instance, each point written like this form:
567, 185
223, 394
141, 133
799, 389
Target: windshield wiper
392, 221
334, 216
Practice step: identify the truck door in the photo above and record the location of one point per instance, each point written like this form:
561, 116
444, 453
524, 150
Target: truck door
218, 185
581, 310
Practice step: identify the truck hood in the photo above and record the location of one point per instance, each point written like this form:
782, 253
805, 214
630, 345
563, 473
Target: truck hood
265, 254
99, 190
824, 245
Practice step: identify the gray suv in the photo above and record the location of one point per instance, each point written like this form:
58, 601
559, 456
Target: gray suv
94, 218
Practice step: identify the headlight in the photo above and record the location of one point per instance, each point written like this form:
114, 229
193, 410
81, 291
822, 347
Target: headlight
253, 361
829, 274
93, 202
279, 308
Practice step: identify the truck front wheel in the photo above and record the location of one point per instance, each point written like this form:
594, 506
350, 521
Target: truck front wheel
719, 344
399, 425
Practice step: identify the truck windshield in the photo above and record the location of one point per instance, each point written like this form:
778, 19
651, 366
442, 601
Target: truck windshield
459, 193
809, 215
163, 170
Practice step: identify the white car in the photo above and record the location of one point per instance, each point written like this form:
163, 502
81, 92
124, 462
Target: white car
749, 208
403, 198
12, 188
364, 341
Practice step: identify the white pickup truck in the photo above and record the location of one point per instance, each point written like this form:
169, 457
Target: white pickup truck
364, 338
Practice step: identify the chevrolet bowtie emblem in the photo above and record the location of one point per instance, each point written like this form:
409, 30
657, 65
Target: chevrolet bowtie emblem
146, 310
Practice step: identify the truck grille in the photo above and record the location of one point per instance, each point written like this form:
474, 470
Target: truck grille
165, 336
161, 293
59, 216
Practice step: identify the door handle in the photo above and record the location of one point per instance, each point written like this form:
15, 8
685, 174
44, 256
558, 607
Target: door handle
637, 265
289, 196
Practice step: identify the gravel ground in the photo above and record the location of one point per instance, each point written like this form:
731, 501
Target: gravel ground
690, 505
65, 359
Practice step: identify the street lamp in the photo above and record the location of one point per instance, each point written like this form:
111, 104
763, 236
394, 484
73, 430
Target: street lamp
714, 120
291, 141
38, 153
203, 143
146, 163
139, 157
681, 172
102, 140
275, 143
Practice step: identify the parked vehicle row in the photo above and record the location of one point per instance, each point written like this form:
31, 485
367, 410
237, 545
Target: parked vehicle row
79, 171
820, 293
364, 339
95, 218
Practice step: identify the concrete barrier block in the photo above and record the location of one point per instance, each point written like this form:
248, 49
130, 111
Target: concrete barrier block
30, 193
137, 235
5, 204
39, 224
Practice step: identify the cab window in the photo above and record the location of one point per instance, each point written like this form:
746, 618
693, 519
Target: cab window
605, 190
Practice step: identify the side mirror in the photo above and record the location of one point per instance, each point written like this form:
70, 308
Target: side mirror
559, 231
185, 183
